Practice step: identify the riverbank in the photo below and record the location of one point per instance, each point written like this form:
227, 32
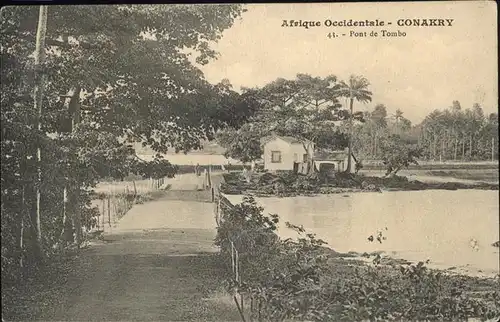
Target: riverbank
290, 185
308, 281
444, 175
450, 228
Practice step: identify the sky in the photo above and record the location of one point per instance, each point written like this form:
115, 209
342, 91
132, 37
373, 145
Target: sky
426, 70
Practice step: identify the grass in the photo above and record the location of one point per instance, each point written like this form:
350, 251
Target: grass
487, 175
441, 166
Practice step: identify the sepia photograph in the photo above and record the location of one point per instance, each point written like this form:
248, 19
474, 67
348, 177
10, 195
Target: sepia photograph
250, 162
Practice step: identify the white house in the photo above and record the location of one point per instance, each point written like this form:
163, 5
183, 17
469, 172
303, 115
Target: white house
285, 152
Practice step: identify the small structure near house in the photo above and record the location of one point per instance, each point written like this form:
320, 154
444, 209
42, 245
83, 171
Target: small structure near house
285, 153
334, 159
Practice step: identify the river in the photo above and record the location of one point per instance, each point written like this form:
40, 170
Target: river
452, 229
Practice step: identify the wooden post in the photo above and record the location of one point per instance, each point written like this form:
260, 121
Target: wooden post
213, 194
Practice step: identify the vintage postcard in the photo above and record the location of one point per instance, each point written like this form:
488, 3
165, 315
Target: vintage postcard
250, 162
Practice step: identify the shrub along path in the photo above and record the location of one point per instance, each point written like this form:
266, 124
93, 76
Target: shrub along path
158, 264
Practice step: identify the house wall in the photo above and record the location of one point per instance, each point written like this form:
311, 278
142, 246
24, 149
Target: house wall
290, 153
339, 165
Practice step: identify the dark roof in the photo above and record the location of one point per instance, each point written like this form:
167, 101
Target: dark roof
330, 155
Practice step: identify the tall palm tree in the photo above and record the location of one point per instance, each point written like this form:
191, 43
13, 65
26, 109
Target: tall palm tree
355, 89
398, 116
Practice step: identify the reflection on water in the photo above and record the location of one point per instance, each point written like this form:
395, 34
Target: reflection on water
434, 224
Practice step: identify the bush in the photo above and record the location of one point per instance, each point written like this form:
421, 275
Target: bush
299, 279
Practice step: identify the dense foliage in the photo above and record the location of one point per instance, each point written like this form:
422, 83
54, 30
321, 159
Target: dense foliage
449, 134
310, 107
397, 154
306, 108
302, 280
112, 75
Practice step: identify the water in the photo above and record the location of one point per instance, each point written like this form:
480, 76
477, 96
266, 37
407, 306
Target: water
434, 224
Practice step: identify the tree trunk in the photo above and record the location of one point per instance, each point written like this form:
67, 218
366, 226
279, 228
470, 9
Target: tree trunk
24, 208
493, 149
21, 230
470, 147
463, 149
67, 234
456, 149
74, 106
310, 157
349, 165
372, 148
434, 150
441, 152
40, 80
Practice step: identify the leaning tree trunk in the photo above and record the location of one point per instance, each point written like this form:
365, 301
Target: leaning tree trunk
349, 146
310, 158
40, 79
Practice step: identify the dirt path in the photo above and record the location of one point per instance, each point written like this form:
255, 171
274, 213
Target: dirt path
160, 275
158, 264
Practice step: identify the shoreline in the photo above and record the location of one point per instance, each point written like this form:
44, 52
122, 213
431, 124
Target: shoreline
394, 261
450, 268
292, 185
340, 190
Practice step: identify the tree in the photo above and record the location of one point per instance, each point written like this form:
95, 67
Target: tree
397, 155
379, 120
38, 97
305, 108
243, 144
355, 89
136, 84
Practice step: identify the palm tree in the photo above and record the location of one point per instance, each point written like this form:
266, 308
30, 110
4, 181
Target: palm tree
356, 89
398, 116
